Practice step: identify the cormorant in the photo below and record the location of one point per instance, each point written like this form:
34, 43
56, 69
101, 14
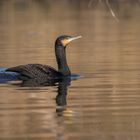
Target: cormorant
31, 71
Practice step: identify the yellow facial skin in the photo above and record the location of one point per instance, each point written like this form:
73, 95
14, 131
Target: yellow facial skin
65, 42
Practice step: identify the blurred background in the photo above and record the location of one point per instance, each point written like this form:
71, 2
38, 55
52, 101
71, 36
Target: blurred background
105, 103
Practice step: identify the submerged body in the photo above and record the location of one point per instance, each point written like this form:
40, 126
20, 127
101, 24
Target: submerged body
31, 71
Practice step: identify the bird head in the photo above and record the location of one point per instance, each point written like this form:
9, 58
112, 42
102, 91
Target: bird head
64, 40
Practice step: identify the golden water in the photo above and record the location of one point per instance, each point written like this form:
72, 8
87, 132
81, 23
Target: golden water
105, 103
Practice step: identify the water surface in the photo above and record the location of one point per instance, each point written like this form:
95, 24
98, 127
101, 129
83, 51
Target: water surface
105, 103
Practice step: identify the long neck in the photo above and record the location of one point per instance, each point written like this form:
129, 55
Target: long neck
60, 53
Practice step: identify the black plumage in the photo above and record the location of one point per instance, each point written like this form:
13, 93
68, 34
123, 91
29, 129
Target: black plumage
31, 71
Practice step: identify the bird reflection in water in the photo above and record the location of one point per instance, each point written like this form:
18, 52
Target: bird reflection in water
62, 85
61, 98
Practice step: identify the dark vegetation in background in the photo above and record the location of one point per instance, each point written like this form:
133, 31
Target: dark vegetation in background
115, 7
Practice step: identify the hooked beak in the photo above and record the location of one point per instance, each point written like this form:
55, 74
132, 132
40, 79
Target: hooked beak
74, 38
65, 42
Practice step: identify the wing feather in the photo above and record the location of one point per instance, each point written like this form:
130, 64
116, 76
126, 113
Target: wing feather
35, 71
